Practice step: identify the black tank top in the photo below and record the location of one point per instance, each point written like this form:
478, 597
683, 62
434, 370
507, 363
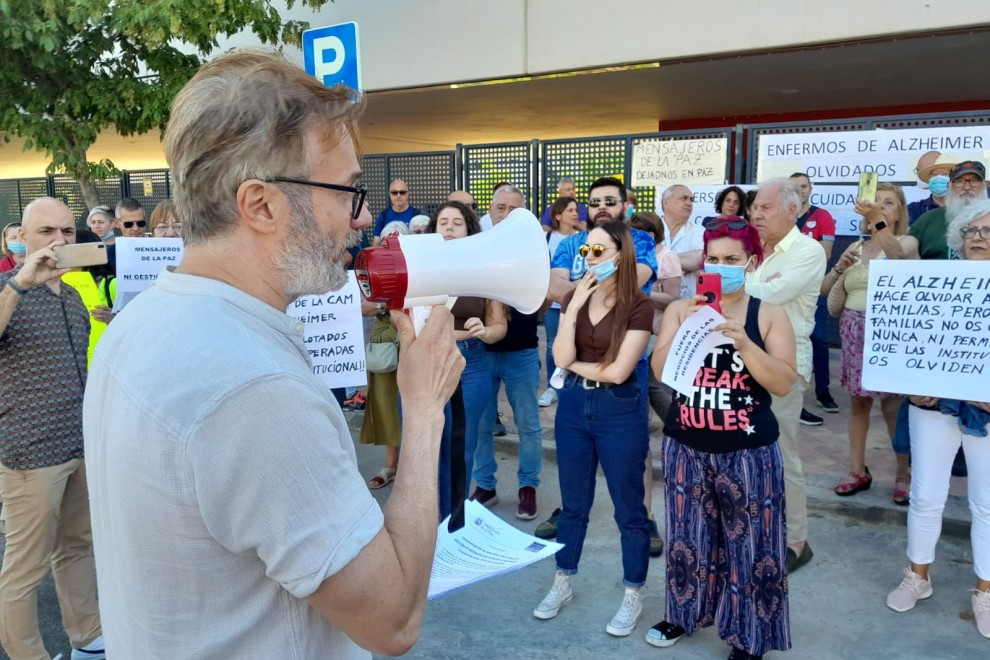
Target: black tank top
728, 410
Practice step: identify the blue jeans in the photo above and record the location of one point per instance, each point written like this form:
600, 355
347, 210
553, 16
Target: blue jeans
607, 426
819, 347
520, 371
551, 322
901, 441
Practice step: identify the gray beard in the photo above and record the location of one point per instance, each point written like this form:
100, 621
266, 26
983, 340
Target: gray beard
954, 204
310, 263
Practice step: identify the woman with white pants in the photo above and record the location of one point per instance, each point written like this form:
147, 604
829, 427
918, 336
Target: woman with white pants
938, 428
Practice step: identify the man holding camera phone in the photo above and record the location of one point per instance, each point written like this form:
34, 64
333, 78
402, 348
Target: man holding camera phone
44, 333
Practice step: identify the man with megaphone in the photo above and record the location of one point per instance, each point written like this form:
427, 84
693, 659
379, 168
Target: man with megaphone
229, 516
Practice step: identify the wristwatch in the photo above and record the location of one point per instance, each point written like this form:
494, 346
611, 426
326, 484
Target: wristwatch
880, 225
16, 289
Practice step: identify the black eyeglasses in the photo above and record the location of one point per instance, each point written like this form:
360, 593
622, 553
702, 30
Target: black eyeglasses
972, 232
357, 201
130, 223
711, 224
398, 192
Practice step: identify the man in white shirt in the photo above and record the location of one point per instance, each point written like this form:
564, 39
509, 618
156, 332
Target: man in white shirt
229, 517
790, 276
681, 235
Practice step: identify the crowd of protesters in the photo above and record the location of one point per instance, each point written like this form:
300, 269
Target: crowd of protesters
623, 281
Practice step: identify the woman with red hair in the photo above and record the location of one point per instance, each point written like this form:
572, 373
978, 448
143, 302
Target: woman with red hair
726, 536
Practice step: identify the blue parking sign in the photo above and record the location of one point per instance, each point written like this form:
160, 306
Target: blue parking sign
331, 54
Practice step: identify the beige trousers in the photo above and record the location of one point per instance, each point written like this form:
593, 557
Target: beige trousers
47, 525
787, 410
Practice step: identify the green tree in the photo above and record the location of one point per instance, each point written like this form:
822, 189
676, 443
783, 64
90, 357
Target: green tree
70, 69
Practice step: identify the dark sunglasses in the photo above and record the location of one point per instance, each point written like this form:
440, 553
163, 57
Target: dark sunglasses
596, 250
595, 202
130, 223
398, 192
712, 224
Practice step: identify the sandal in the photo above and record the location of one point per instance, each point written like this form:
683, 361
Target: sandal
902, 491
384, 477
855, 483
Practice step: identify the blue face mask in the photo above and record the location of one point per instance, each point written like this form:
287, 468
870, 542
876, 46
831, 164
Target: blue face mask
107, 236
17, 247
733, 277
939, 185
630, 211
604, 270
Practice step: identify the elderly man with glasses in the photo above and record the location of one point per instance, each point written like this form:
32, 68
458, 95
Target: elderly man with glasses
399, 208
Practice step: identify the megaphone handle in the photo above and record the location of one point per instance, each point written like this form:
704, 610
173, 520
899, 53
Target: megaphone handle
420, 314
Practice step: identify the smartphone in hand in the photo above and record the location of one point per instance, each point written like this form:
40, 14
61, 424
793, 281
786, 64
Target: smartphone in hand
78, 255
867, 187
710, 286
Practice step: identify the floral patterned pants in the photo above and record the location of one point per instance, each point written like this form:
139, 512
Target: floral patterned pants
727, 544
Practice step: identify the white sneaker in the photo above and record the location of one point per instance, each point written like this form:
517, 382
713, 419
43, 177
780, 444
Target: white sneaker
625, 620
548, 398
95, 650
560, 594
981, 611
907, 594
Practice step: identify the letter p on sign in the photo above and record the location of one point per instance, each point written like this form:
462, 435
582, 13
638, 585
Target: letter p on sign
331, 54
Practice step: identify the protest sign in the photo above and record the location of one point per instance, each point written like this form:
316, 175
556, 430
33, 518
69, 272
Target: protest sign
687, 161
139, 261
837, 200
840, 157
928, 329
695, 339
334, 334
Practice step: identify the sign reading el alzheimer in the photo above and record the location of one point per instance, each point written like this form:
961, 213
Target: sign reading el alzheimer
334, 334
928, 329
139, 261
841, 157
688, 161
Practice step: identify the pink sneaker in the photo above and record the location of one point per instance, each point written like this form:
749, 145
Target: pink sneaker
981, 611
911, 589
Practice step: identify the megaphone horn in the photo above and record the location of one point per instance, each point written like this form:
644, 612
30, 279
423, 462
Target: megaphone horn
509, 263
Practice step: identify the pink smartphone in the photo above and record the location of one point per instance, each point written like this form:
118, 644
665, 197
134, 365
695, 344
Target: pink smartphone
710, 286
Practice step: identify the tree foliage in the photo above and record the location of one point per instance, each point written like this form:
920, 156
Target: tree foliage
70, 69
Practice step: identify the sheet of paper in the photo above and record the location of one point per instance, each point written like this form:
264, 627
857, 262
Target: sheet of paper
694, 340
485, 547
139, 261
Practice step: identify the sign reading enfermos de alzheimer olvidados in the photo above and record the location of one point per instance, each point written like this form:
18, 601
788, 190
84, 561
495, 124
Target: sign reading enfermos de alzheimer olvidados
928, 329
840, 157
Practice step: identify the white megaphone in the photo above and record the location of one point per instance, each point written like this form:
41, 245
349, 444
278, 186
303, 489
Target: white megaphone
509, 263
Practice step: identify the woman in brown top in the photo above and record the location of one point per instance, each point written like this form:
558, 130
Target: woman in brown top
605, 325
476, 322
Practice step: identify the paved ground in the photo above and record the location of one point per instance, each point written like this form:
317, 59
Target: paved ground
837, 602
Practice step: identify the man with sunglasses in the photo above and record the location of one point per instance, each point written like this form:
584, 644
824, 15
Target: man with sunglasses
130, 218
229, 516
398, 208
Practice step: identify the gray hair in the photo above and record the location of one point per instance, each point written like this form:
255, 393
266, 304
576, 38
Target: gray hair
508, 189
105, 211
787, 192
396, 226
566, 179
668, 192
962, 219
417, 221
245, 116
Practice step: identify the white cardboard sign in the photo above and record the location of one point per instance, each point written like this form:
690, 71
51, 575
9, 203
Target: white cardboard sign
928, 329
687, 161
139, 261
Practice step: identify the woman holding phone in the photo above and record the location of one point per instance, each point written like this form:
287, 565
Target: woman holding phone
724, 478
602, 417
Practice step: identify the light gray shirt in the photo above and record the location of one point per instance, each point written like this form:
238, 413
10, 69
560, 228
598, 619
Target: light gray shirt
223, 482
